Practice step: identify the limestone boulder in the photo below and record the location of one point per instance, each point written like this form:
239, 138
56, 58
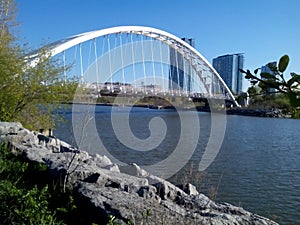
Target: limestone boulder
127, 192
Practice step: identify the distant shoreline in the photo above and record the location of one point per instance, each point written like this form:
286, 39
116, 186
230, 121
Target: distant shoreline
270, 113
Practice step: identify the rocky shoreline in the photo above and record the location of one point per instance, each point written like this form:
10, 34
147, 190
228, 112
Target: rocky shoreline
128, 193
256, 112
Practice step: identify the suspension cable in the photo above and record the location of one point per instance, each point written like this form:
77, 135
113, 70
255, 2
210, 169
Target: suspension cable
162, 68
64, 60
96, 64
184, 85
122, 62
177, 70
144, 66
153, 67
101, 63
133, 59
109, 61
81, 64
170, 70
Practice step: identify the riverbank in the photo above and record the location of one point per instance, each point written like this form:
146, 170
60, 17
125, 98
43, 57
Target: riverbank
242, 111
126, 192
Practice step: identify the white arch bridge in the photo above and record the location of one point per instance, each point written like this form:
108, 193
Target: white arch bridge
137, 59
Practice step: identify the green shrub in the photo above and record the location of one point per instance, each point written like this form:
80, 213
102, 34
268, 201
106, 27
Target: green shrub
28, 195
22, 202
25, 206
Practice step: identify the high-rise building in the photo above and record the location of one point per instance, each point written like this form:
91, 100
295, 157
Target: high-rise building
266, 69
190, 41
180, 74
228, 67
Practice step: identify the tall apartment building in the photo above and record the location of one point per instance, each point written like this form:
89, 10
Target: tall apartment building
180, 74
266, 69
228, 67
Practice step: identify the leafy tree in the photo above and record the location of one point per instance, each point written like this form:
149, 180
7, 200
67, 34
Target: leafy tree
28, 94
277, 80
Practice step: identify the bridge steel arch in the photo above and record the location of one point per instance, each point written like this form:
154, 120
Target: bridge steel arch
197, 61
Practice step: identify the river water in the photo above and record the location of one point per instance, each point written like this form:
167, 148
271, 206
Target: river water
257, 166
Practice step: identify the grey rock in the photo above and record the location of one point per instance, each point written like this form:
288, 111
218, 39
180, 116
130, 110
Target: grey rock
125, 191
129, 206
189, 189
101, 160
134, 170
10, 128
112, 167
165, 189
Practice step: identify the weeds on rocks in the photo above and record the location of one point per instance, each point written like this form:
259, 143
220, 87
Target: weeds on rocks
22, 202
28, 197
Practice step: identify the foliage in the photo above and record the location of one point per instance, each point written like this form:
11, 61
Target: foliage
22, 203
111, 220
276, 80
21, 206
29, 196
28, 93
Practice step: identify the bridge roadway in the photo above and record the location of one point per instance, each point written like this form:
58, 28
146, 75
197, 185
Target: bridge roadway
195, 98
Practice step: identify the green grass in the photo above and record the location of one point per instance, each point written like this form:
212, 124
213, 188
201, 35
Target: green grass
29, 196
22, 201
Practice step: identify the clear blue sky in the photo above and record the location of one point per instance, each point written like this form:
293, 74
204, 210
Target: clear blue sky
262, 29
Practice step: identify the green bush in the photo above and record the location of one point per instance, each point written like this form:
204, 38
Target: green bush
286, 86
22, 202
28, 195
25, 206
